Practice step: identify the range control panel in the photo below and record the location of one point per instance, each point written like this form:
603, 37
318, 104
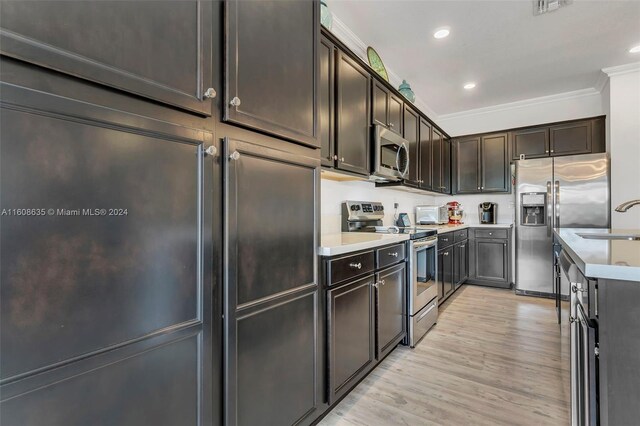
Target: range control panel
363, 210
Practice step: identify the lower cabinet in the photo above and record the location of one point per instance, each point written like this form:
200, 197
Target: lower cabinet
461, 263
351, 336
490, 257
445, 273
391, 324
366, 313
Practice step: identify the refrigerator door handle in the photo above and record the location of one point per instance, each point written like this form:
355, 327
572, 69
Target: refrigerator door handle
549, 208
557, 202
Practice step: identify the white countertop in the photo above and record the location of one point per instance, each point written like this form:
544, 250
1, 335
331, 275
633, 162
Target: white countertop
346, 242
612, 259
448, 228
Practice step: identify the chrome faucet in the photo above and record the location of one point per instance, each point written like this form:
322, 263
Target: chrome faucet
627, 205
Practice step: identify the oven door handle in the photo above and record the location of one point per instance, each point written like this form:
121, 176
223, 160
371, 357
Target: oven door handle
431, 242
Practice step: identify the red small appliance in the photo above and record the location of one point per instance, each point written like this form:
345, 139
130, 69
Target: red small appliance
455, 212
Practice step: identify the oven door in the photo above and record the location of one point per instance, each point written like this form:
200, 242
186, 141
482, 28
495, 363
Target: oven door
585, 360
424, 270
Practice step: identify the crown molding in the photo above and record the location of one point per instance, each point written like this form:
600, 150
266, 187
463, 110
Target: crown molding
523, 103
359, 47
602, 81
622, 69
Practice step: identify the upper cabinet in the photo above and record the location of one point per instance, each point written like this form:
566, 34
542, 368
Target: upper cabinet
482, 164
327, 102
272, 76
353, 125
412, 135
157, 50
425, 153
387, 108
440, 162
567, 138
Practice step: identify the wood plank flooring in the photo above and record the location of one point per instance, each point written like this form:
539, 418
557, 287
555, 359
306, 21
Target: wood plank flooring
494, 358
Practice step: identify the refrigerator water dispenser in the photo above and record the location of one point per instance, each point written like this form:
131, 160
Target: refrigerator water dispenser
533, 209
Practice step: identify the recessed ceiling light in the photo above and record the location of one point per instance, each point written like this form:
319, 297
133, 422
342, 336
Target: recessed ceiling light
635, 49
469, 85
441, 33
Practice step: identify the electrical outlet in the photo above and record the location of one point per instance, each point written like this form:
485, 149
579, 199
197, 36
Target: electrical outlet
396, 205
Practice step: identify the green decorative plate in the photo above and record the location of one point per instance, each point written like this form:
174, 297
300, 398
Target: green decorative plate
376, 63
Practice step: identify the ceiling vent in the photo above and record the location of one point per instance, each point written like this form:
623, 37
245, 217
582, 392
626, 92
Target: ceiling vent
545, 6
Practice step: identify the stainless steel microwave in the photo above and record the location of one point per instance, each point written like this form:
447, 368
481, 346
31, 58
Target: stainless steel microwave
391, 156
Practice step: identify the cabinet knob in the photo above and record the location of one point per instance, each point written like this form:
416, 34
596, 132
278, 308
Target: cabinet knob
390, 124
375, 284
505, 244
234, 155
335, 157
482, 187
546, 151
551, 150
490, 233
394, 254
235, 102
342, 159
210, 93
462, 245
356, 265
478, 187
381, 282
446, 253
212, 150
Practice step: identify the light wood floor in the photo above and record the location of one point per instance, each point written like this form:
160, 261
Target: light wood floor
494, 358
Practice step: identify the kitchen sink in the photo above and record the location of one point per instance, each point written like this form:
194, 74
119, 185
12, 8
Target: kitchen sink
630, 237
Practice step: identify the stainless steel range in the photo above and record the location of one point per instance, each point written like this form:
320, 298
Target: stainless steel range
422, 271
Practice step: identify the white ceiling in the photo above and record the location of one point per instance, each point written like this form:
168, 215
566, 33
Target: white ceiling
510, 54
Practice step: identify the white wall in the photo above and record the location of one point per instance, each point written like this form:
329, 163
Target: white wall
506, 206
333, 193
624, 144
548, 109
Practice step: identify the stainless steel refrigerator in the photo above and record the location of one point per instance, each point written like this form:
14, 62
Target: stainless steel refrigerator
560, 192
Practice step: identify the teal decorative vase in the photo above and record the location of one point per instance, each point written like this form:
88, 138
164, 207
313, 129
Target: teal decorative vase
326, 18
406, 91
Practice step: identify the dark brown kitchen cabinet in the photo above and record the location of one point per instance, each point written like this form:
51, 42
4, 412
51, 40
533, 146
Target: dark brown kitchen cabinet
124, 45
412, 135
351, 334
272, 75
490, 257
353, 120
327, 101
495, 170
446, 285
482, 164
530, 143
391, 321
565, 138
570, 138
272, 300
387, 108
468, 165
425, 155
440, 162
461, 263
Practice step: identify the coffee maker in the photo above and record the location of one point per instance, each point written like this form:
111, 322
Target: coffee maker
488, 212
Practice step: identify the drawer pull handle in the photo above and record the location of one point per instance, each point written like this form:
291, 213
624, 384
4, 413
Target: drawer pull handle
446, 253
395, 254
426, 312
356, 265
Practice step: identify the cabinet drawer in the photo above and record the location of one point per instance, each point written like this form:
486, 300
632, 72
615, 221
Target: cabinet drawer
492, 233
350, 266
445, 240
460, 235
389, 255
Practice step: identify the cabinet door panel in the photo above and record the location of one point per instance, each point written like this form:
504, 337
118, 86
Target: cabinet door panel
532, 143
391, 320
411, 134
351, 334
353, 122
277, 342
425, 152
273, 71
327, 102
380, 104
446, 166
468, 166
571, 138
395, 113
491, 260
495, 164
157, 49
436, 161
